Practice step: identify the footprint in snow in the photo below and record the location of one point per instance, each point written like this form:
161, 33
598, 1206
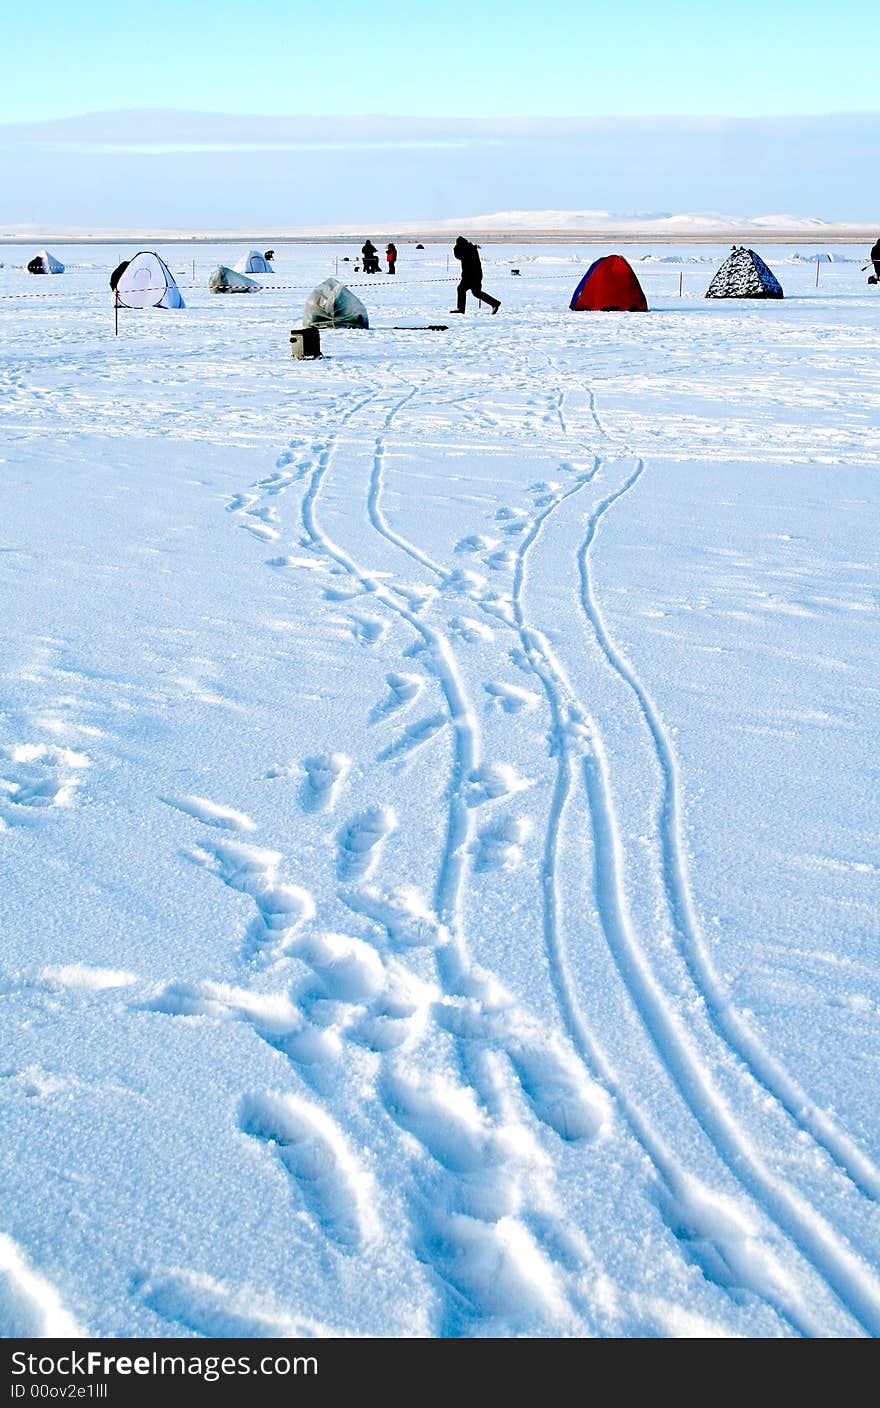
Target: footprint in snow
512, 520
464, 582
499, 846
336, 1191
402, 912
559, 1090
281, 908
501, 605
512, 698
368, 630
39, 775
477, 542
470, 1232
261, 531
361, 841
240, 502
265, 515
403, 690
290, 560
350, 969
414, 736
342, 593
211, 813
502, 560
324, 775
211, 1308
416, 595
273, 1016
468, 629
396, 1019
492, 781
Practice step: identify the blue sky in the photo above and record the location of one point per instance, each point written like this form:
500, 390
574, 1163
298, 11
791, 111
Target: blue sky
424, 58
628, 107
188, 171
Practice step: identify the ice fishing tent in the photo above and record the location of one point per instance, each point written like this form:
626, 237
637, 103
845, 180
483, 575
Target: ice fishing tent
147, 282
744, 275
332, 305
609, 285
44, 263
252, 263
226, 280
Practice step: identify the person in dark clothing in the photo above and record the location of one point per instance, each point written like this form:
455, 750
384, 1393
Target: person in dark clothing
391, 256
118, 272
875, 260
471, 276
369, 253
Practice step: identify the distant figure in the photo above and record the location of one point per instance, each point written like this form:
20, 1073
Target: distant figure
391, 256
875, 260
269, 255
369, 254
471, 276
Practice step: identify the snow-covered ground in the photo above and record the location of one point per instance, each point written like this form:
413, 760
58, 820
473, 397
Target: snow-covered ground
440, 858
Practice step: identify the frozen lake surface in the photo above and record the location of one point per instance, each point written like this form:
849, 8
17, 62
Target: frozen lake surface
440, 877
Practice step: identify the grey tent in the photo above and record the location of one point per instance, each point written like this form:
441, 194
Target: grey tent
332, 305
226, 280
744, 275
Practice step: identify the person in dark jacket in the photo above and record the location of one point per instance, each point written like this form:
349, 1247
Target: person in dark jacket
118, 272
875, 260
471, 276
368, 254
391, 256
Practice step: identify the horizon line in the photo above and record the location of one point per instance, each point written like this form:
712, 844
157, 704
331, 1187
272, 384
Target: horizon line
445, 117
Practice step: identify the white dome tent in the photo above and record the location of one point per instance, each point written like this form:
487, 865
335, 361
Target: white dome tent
147, 282
44, 263
252, 263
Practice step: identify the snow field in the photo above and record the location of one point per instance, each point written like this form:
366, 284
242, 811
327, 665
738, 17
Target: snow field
442, 878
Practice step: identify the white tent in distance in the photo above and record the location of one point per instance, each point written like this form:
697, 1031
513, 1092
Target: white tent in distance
252, 263
147, 282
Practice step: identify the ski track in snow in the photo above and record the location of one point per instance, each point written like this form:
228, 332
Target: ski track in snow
728, 1021
850, 1278
398, 1034
721, 1241
843, 1269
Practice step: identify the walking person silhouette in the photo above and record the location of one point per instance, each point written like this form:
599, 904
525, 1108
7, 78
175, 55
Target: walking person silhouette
471, 276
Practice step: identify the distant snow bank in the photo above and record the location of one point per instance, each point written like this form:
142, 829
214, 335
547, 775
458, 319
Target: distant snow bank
505, 222
659, 221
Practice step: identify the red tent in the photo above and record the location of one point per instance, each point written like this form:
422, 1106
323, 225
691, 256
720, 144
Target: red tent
609, 285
